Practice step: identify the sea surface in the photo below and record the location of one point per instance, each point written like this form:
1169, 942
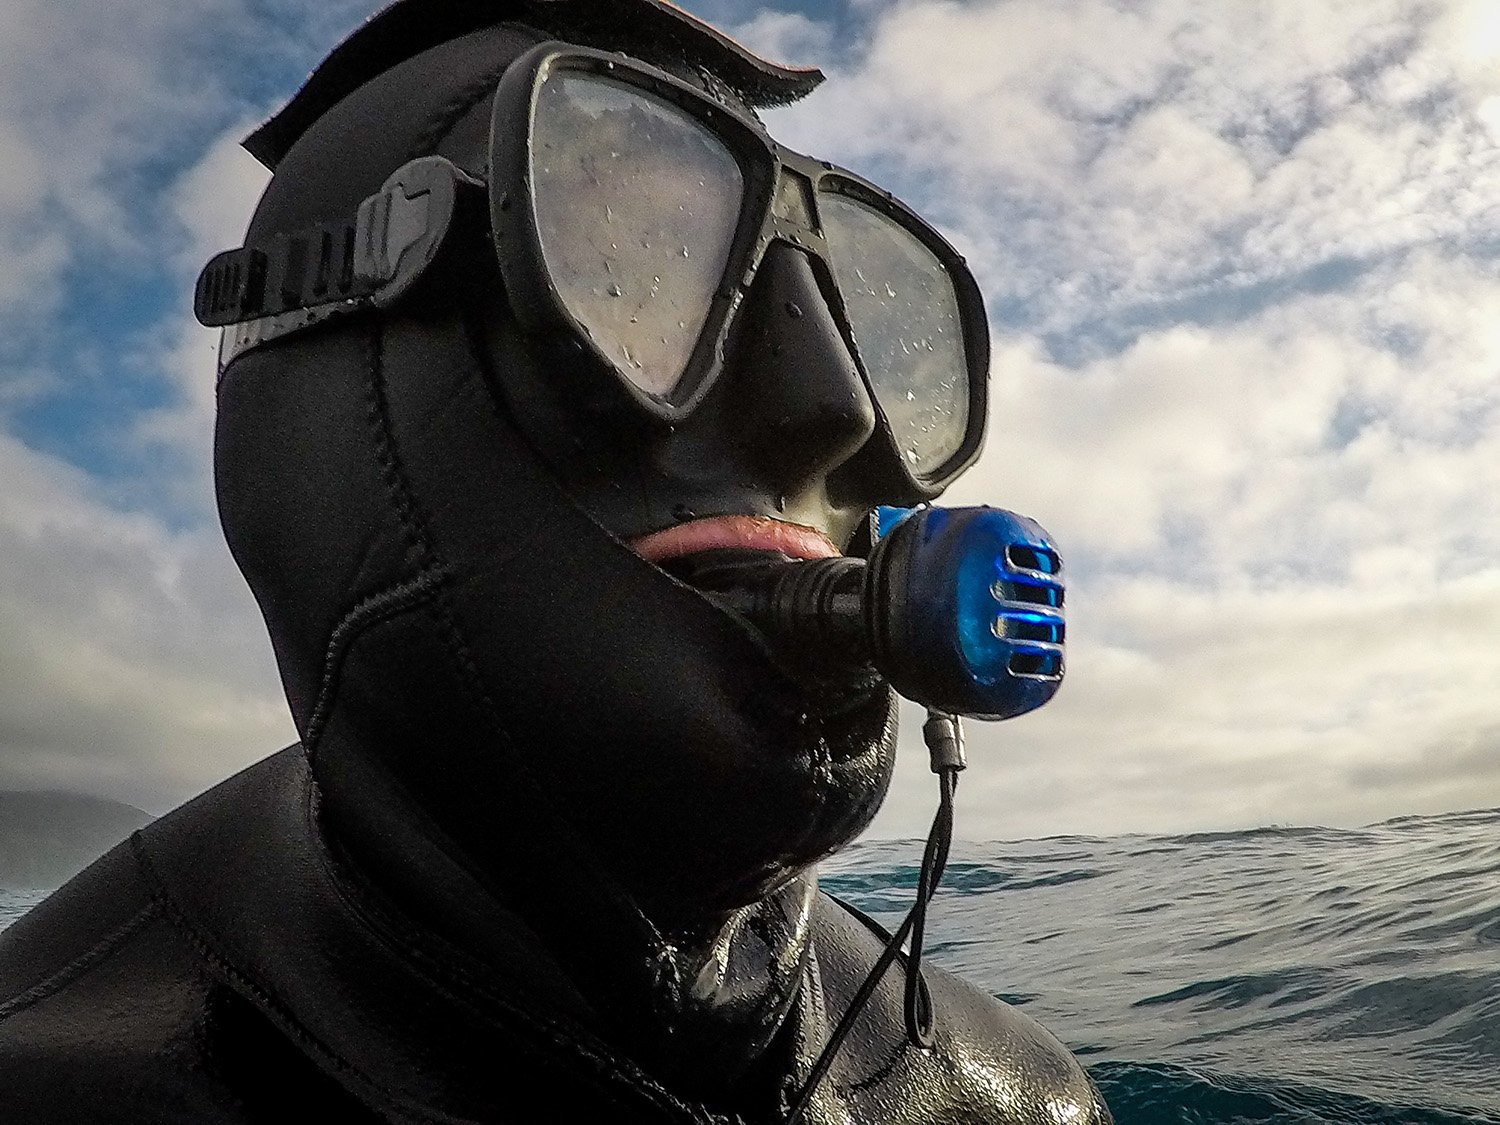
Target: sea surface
1290, 975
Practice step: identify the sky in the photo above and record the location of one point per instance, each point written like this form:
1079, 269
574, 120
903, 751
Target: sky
1240, 260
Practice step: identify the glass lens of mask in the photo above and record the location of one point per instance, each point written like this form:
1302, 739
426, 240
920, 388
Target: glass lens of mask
636, 206
904, 314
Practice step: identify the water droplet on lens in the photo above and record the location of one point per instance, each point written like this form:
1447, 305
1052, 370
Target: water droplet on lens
889, 292
685, 253
910, 397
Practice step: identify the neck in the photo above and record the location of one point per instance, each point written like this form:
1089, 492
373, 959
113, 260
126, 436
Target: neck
698, 1000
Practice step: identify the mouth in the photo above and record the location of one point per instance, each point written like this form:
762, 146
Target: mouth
753, 533
722, 552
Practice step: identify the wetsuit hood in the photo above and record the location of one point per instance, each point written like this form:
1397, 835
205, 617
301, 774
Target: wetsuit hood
443, 613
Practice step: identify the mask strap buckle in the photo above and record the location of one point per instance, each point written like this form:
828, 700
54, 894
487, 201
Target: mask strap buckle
264, 292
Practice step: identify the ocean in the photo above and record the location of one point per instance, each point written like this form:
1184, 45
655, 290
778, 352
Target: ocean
1296, 976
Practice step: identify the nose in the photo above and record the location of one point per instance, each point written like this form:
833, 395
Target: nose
803, 406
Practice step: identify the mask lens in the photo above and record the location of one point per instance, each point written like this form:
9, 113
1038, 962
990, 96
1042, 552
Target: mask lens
904, 314
636, 207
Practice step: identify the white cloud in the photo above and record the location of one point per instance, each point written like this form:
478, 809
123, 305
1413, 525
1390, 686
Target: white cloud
1245, 370
91, 91
134, 662
211, 203
786, 37
1285, 598
1098, 160
1241, 260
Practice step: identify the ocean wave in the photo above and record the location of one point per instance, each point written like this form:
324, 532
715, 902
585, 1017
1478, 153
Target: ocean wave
1297, 976
1165, 1094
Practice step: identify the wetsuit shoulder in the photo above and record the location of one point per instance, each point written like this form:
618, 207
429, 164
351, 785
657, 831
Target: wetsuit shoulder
990, 1064
97, 994
109, 1013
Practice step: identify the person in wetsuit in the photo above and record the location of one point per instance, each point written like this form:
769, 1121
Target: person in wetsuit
546, 849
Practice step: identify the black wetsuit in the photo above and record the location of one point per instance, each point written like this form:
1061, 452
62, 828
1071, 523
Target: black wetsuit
549, 852
228, 965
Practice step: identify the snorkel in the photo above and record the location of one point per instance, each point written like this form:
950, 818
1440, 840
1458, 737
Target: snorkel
961, 611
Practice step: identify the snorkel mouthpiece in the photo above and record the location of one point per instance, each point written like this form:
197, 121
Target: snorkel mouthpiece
960, 609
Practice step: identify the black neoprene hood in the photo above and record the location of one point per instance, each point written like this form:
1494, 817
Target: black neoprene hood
442, 609
650, 29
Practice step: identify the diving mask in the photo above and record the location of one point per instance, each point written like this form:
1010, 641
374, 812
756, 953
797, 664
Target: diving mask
630, 213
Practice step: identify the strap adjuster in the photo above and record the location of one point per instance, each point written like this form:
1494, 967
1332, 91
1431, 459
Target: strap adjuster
297, 279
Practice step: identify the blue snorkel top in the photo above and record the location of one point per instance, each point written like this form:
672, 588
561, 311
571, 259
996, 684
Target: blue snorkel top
965, 609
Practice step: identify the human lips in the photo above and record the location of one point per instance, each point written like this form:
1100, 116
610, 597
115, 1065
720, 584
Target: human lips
760, 533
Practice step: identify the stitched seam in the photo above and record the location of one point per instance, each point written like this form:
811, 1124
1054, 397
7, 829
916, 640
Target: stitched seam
377, 607
264, 997
418, 536
439, 606
876, 1079
884, 936
377, 417
399, 486
80, 965
415, 528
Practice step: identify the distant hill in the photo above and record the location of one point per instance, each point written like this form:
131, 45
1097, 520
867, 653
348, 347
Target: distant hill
47, 838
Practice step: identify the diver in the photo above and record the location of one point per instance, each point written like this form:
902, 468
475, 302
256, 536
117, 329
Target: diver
532, 319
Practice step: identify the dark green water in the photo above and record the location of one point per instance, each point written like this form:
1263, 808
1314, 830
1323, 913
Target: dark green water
1300, 976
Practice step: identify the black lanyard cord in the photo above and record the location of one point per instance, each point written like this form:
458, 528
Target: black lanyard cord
918, 1006
944, 739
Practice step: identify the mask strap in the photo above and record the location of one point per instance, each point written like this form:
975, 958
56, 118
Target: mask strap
943, 734
263, 292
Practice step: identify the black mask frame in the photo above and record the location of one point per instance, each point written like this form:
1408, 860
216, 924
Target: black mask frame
402, 238
782, 189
